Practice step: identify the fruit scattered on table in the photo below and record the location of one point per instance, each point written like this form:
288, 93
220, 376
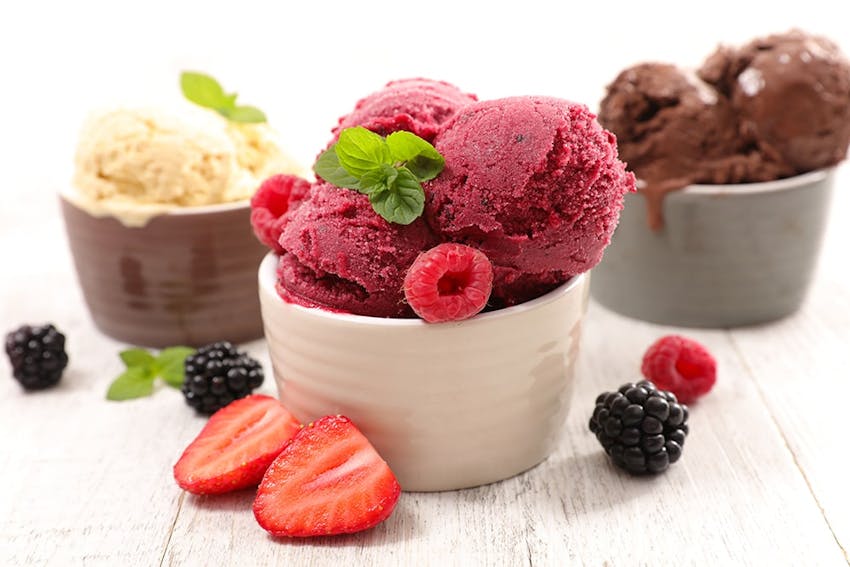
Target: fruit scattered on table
449, 282
641, 428
680, 365
236, 446
328, 480
217, 374
37, 354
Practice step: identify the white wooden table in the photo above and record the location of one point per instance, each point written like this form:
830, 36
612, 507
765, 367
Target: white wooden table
763, 479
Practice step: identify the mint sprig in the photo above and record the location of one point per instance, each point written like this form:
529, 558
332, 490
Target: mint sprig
143, 368
422, 159
402, 196
360, 151
135, 382
389, 170
205, 91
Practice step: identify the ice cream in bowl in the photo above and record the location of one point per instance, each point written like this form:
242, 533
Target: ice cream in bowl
430, 285
158, 221
735, 164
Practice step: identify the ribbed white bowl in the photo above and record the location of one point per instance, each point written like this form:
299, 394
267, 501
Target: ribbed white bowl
448, 405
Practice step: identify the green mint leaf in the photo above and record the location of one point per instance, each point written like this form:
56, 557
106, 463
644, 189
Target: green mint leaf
170, 364
420, 157
136, 357
205, 91
389, 171
328, 168
403, 201
378, 179
136, 382
243, 114
361, 151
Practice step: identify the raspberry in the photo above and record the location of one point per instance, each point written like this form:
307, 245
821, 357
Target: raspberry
217, 374
680, 365
449, 282
278, 195
641, 428
37, 355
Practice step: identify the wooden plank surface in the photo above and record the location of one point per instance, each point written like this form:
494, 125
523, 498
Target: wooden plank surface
801, 368
762, 481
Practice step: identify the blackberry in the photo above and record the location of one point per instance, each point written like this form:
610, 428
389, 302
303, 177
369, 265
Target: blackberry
217, 374
38, 355
641, 427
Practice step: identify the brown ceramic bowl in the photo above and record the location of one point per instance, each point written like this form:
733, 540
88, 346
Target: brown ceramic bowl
185, 278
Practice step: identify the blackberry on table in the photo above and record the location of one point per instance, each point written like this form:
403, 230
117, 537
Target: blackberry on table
217, 374
37, 354
641, 428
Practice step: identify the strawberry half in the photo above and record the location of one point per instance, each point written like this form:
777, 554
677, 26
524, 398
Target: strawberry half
328, 480
236, 446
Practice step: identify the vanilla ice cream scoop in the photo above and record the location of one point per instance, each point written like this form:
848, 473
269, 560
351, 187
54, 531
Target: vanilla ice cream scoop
134, 163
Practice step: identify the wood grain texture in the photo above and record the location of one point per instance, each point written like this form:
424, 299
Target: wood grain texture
800, 366
762, 481
719, 504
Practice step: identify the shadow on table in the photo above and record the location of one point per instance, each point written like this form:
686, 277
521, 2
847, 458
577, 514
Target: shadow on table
238, 501
572, 485
401, 526
589, 483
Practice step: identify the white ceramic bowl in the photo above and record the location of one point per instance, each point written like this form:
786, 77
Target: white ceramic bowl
449, 405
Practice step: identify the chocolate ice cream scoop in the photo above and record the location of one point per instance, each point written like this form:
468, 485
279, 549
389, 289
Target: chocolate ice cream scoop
776, 107
673, 130
792, 93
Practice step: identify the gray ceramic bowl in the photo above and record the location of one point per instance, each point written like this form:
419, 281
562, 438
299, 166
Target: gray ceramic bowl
728, 255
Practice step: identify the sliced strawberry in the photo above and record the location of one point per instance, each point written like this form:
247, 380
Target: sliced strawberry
328, 480
236, 446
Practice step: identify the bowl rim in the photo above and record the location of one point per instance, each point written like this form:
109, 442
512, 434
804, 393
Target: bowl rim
784, 184
267, 275
73, 198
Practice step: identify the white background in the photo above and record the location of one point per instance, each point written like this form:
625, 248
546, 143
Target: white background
307, 62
